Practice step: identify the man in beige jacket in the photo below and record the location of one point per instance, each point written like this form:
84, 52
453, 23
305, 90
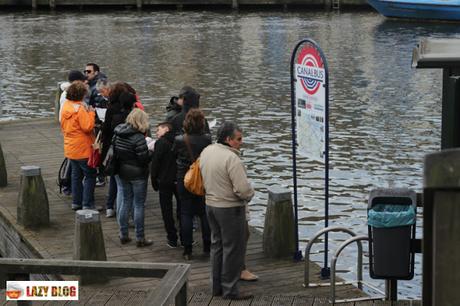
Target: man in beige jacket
227, 193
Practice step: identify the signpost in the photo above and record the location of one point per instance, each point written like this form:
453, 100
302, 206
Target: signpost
310, 121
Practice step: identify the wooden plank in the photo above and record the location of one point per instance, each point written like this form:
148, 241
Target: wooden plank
120, 298
200, 298
100, 298
263, 300
303, 301
280, 300
219, 301
137, 298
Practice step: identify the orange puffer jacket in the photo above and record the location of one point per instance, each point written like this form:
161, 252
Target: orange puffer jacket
77, 125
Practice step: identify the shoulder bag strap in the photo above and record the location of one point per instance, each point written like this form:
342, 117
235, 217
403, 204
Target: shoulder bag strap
189, 147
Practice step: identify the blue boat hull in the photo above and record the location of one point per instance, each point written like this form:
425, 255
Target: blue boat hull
417, 10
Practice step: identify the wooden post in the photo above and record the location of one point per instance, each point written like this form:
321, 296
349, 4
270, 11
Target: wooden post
139, 4
235, 4
34, 4
89, 241
441, 228
3, 174
279, 235
33, 206
52, 4
57, 103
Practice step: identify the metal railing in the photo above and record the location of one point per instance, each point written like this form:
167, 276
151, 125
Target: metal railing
359, 274
171, 290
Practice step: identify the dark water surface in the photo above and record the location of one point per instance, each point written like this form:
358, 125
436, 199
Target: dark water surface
385, 116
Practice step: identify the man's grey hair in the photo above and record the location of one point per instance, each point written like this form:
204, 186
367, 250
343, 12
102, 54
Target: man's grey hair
102, 83
227, 129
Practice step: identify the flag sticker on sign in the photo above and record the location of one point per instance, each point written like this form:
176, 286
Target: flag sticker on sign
42, 291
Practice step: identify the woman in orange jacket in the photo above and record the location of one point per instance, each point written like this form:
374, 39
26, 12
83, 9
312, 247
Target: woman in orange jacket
77, 123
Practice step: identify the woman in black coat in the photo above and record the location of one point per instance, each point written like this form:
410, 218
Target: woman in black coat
188, 147
133, 158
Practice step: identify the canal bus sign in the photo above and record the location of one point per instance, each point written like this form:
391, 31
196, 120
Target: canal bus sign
310, 121
310, 95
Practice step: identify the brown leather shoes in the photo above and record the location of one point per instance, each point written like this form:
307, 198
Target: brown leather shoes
125, 240
143, 243
248, 276
239, 297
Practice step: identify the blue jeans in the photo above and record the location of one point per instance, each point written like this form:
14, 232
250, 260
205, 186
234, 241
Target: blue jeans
134, 195
112, 193
83, 182
119, 194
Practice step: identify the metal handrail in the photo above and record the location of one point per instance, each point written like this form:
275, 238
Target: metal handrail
357, 239
310, 244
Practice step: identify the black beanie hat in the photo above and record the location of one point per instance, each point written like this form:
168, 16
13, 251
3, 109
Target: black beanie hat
75, 75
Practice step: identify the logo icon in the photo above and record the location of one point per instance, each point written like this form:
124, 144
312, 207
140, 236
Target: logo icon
14, 291
310, 70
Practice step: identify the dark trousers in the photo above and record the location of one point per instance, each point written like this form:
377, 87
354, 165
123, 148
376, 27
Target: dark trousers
112, 193
228, 248
192, 205
166, 192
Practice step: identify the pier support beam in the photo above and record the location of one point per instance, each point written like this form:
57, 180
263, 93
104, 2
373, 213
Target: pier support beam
279, 230
34, 4
139, 4
235, 4
3, 174
441, 229
89, 242
33, 205
52, 4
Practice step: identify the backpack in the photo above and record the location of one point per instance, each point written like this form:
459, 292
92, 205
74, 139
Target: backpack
64, 179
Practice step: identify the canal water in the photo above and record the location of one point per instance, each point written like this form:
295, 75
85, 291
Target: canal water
384, 115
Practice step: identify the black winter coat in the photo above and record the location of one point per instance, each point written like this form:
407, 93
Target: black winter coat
114, 116
183, 159
163, 168
132, 153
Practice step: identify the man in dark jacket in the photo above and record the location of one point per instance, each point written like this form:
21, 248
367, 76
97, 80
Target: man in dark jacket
163, 179
93, 74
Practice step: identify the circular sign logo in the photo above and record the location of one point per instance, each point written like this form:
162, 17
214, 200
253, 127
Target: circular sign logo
310, 78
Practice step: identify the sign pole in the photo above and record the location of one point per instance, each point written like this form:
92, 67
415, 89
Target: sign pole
297, 253
310, 114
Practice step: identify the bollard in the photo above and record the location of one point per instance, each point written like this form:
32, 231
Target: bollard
441, 228
89, 242
33, 206
279, 230
3, 174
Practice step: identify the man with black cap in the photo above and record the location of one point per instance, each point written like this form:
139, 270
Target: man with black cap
188, 98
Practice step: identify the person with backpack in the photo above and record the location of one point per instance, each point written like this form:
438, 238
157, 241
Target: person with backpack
77, 123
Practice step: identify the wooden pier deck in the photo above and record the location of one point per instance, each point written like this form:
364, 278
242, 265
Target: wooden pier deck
39, 142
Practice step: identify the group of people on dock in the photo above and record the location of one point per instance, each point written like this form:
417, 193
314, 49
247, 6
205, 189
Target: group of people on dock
181, 138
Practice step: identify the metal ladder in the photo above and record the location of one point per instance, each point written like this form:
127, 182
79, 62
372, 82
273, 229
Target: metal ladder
359, 274
336, 4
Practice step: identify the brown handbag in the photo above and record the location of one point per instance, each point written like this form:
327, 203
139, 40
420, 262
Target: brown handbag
193, 181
